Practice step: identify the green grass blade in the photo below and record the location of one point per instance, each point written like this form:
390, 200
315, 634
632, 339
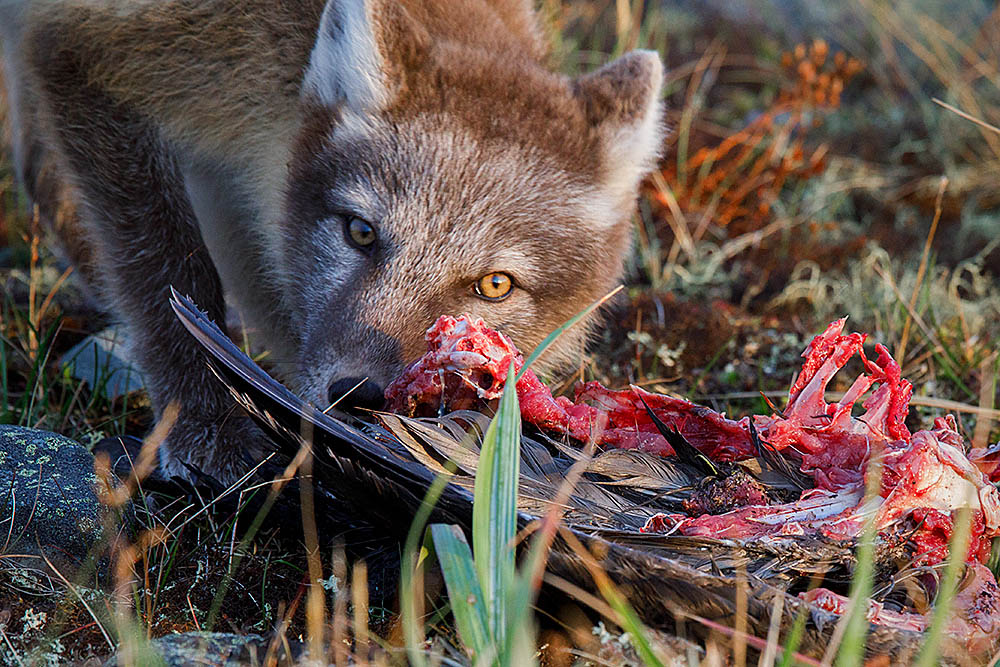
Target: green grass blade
494, 510
548, 340
994, 561
852, 648
522, 595
413, 629
630, 622
464, 589
5, 405
958, 548
795, 638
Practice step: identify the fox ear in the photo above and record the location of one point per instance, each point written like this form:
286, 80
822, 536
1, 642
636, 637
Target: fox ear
361, 49
622, 102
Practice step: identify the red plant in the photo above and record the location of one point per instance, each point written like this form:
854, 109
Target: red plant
735, 182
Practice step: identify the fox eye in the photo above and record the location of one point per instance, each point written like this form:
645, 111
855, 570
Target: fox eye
495, 286
360, 233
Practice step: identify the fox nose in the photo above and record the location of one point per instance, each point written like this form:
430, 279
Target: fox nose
354, 393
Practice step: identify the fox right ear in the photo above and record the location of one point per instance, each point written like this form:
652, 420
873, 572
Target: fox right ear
622, 101
361, 47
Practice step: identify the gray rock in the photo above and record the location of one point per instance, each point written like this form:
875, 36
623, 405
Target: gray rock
48, 501
103, 362
208, 649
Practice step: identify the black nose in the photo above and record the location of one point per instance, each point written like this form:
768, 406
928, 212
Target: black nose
355, 393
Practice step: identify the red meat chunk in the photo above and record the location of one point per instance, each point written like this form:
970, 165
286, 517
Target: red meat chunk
466, 365
929, 475
877, 613
834, 445
975, 620
926, 477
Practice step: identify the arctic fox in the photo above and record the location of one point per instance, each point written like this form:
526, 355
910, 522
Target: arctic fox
343, 170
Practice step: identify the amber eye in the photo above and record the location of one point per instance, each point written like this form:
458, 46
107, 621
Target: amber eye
495, 286
360, 233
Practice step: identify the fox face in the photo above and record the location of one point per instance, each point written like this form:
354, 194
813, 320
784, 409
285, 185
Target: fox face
447, 179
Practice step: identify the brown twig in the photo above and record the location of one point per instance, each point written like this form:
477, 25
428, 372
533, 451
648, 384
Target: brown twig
901, 348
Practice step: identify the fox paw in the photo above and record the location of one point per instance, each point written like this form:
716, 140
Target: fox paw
213, 451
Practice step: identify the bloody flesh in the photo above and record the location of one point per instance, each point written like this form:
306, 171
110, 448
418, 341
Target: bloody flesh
925, 478
975, 619
466, 363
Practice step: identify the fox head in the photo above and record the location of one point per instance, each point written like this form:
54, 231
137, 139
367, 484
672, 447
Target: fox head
442, 169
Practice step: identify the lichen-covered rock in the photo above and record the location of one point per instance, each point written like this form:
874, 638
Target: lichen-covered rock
48, 489
208, 649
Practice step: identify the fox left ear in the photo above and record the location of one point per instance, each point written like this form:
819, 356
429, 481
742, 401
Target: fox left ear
362, 50
622, 102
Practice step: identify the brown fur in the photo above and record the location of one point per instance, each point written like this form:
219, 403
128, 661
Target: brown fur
220, 146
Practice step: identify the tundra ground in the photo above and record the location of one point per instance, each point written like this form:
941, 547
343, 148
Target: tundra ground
822, 163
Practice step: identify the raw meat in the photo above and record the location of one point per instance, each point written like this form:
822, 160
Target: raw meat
832, 443
877, 613
466, 363
926, 478
975, 620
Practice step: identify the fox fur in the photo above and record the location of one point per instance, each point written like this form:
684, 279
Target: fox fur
224, 146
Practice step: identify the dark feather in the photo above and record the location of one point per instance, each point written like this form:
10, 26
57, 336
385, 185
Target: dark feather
684, 450
778, 463
380, 471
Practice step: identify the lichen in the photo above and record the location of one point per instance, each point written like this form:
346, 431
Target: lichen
33, 620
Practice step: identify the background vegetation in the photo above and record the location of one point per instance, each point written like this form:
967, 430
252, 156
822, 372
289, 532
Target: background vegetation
826, 159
